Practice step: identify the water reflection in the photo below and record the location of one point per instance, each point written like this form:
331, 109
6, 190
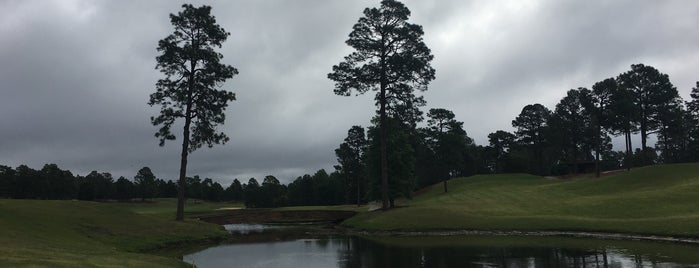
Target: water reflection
364, 253
249, 228
355, 252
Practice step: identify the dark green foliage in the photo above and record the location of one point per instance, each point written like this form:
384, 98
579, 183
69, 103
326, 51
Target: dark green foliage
51, 182
674, 133
273, 193
602, 120
532, 129
57, 183
692, 121
166, 188
123, 189
301, 191
575, 130
7, 175
650, 92
95, 186
390, 58
401, 162
145, 183
234, 192
426, 164
320, 189
211, 190
448, 140
193, 73
501, 142
26, 183
252, 195
194, 187
352, 166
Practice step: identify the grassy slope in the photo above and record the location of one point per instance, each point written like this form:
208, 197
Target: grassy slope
89, 234
653, 200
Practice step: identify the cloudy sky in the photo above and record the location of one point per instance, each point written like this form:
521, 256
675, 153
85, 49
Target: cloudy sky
75, 76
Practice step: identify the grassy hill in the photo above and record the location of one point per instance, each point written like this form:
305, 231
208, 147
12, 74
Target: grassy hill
90, 234
651, 200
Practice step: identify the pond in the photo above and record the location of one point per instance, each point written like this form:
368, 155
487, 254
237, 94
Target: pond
277, 247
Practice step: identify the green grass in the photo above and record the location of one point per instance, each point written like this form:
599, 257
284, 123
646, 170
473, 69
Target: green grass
88, 234
165, 207
659, 200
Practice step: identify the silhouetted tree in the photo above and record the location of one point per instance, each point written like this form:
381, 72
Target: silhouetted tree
574, 129
391, 58
189, 91
501, 142
350, 156
531, 125
212, 191
602, 117
145, 183
96, 186
650, 91
426, 163
234, 192
25, 182
60, 184
448, 140
251, 192
272, 193
673, 133
167, 189
624, 115
7, 176
194, 187
123, 189
300, 191
693, 124
401, 160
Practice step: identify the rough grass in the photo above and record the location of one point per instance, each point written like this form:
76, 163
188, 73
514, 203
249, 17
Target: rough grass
89, 234
659, 200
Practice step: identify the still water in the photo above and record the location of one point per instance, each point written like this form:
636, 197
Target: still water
275, 247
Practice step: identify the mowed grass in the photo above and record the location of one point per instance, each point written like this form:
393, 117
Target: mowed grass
661, 200
43, 233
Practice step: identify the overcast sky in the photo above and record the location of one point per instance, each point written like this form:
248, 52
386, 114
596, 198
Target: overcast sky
75, 76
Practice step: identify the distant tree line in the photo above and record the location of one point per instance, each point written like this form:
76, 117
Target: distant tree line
51, 182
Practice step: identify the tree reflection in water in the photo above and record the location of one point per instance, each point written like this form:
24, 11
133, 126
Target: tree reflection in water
280, 248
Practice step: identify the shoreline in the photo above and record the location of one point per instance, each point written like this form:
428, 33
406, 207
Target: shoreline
575, 234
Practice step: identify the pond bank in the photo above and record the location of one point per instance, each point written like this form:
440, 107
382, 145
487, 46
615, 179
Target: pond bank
580, 234
268, 216
335, 217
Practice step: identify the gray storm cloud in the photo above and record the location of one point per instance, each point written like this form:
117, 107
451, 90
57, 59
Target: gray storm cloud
76, 75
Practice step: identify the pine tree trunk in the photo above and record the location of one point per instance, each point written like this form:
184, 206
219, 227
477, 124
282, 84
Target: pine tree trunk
185, 148
383, 126
628, 150
599, 147
359, 190
183, 169
384, 156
